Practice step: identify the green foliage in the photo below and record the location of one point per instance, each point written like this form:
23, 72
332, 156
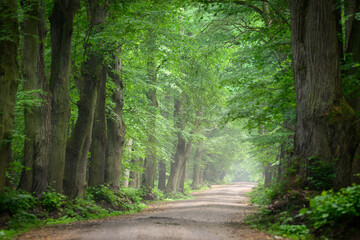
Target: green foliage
18, 204
321, 174
262, 195
15, 201
331, 208
52, 200
159, 195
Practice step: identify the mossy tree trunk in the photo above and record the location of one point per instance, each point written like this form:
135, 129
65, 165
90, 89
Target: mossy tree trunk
162, 175
179, 156
115, 128
352, 49
197, 165
325, 121
37, 120
182, 179
149, 174
8, 79
61, 28
99, 136
78, 145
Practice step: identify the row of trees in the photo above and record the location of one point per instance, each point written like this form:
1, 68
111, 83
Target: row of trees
89, 68
173, 73
301, 88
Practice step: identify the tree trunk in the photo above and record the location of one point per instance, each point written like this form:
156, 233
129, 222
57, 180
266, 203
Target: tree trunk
92, 76
162, 175
116, 129
148, 180
197, 165
126, 171
267, 174
61, 26
182, 179
135, 175
34, 178
8, 79
179, 156
352, 48
97, 160
324, 125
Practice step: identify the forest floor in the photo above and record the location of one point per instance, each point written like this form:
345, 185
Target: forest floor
217, 213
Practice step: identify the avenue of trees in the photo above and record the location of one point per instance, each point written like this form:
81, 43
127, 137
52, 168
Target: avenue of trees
156, 93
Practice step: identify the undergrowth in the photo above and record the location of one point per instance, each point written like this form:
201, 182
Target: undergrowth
307, 214
20, 211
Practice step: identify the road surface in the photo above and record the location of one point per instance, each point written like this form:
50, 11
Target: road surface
216, 213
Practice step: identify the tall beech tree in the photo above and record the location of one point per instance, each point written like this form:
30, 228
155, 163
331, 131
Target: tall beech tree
37, 119
8, 79
92, 74
61, 28
115, 126
325, 121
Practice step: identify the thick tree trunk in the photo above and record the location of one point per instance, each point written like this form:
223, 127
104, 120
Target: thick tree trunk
352, 48
92, 76
8, 79
197, 165
37, 120
324, 125
97, 168
116, 130
183, 177
179, 156
61, 26
148, 180
162, 175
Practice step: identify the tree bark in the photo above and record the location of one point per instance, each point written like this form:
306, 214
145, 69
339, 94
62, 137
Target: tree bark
126, 171
179, 157
182, 179
116, 129
352, 49
8, 79
37, 120
97, 168
92, 77
324, 126
148, 180
197, 165
61, 26
135, 175
162, 175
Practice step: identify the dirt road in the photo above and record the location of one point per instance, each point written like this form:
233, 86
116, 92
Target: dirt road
216, 213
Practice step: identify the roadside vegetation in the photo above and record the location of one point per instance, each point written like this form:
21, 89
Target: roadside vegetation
304, 214
22, 211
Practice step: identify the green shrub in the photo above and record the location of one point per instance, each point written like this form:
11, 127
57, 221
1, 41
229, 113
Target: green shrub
333, 207
16, 201
52, 200
134, 194
102, 192
262, 195
158, 194
23, 219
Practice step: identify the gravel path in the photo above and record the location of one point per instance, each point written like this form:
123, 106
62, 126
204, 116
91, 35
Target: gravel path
216, 213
